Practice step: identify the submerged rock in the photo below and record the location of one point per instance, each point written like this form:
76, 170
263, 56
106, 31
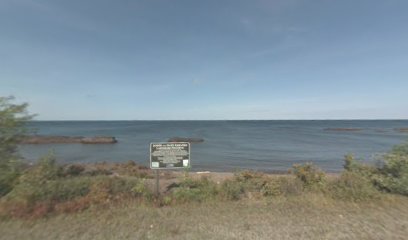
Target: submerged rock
38, 139
404, 130
98, 140
343, 129
184, 139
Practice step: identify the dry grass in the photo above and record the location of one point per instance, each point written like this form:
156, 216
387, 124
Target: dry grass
310, 216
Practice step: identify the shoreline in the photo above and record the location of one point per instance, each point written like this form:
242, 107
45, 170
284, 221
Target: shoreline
111, 165
167, 177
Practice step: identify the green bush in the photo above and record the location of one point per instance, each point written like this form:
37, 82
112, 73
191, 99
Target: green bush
195, 190
69, 195
118, 185
272, 188
140, 189
353, 165
44, 181
98, 172
73, 170
251, 181
350, 163
310, 175
45, 188
401, 149
232, 190
391, 175
352, 186
52, 190
282, 186
46, 169
13, 118
392, 184
396, 162
8, 176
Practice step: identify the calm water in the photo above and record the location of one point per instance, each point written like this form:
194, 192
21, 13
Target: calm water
229, 145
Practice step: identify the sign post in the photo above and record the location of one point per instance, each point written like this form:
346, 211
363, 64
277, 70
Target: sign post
157, 182
169, 155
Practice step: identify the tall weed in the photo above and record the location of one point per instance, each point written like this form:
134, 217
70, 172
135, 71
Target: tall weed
195, 190
310, 175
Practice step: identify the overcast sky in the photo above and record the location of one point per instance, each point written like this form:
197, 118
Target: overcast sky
195, 59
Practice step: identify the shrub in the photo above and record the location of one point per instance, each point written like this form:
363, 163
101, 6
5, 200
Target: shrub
195, 190
105, 190
73, 170
8, 176
391, 184
350, 164
34, 193
46, 169
401, 149
272, 188
232, 190
284, 186
245, 176
251, 181
36, 200
393, 175
352, 186
396, 162
113, 185
309, 175
99, 171
53, 190
353, 165
130, 168
13, 118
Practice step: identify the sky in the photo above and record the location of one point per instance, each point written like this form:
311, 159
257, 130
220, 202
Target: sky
206, 60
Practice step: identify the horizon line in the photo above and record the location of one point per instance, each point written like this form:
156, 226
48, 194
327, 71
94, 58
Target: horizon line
318, 119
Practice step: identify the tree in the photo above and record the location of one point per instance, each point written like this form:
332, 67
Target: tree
13, 119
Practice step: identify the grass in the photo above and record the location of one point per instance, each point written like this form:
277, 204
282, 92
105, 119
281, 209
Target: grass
310, 216
248, 205
47, 189
115, 201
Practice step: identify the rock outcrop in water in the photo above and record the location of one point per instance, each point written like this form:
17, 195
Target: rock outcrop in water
184, 139
403, 130
343, 129
38, 139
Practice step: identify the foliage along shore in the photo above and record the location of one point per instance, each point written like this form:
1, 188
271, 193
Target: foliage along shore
47, 188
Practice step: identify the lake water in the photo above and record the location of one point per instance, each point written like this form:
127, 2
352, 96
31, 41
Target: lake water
228, 145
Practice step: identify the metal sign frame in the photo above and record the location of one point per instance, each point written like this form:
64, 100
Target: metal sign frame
169, 143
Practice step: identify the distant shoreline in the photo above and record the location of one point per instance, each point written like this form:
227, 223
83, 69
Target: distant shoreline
219, 120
